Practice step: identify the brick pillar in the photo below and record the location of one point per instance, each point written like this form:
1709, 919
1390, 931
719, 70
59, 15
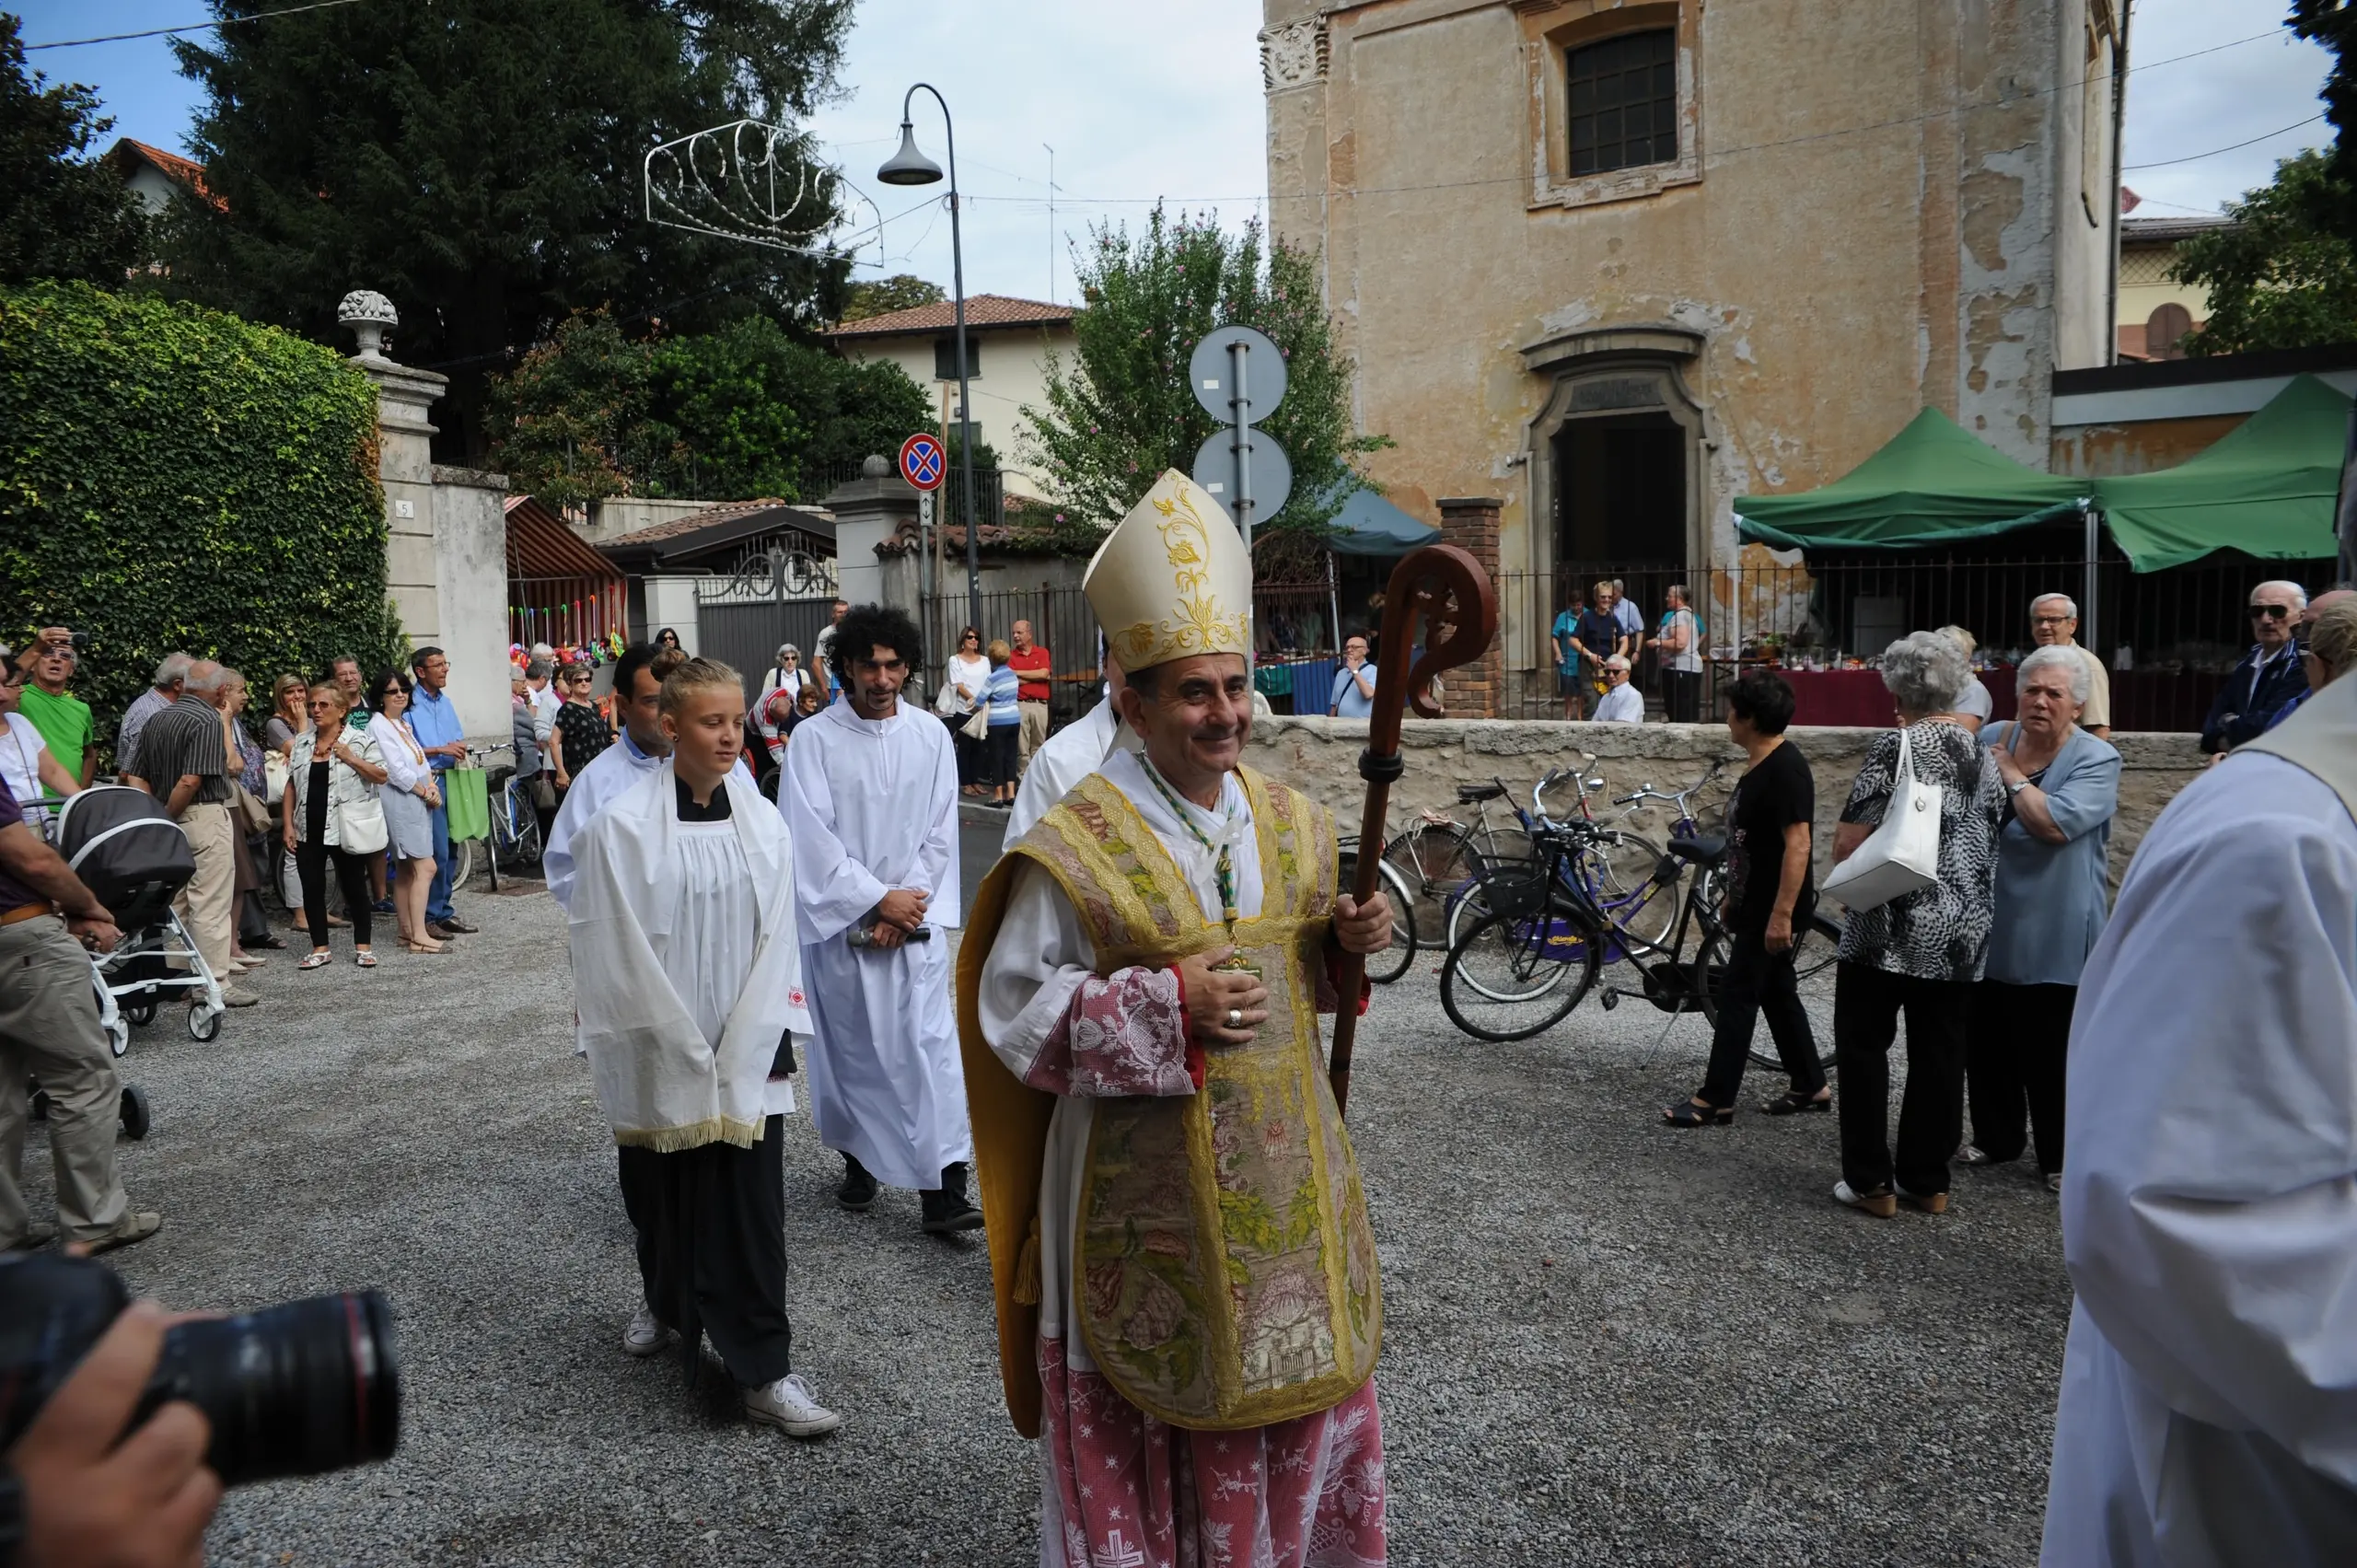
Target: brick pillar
1471, 523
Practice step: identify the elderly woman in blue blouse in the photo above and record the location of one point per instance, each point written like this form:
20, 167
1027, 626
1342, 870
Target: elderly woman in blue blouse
2062, 787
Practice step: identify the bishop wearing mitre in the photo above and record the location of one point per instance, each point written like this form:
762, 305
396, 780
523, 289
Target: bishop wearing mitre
1189, 1305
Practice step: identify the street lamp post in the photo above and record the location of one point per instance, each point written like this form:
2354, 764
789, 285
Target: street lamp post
910, 166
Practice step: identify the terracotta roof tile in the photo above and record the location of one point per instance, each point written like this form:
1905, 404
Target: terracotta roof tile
187, 171
981, 311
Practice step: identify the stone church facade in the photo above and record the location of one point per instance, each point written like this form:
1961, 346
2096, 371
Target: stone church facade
1612, 263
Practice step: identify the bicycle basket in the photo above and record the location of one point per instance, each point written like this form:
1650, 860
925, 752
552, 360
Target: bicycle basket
1518, 892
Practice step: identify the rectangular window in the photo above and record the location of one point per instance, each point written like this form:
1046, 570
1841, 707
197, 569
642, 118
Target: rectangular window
1624, 103
944, 358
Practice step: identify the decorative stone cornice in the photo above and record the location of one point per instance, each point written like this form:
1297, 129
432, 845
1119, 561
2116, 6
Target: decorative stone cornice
1653, 339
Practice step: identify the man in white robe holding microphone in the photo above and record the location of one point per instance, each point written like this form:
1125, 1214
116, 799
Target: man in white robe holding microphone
869, 792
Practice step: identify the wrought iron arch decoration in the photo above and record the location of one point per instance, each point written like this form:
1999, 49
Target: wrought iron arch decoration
775, 573
759, 184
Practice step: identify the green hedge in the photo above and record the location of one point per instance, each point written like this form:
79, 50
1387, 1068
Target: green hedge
171, 477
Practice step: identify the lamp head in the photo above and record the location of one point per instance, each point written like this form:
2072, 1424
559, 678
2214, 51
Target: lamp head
909, 167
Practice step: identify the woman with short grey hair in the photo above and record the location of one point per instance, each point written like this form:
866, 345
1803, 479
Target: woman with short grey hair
2052, 897
1971, 702
1919, 954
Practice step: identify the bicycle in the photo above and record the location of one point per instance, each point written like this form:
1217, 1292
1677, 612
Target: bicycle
1544, 941
1387, 965
1615, 866
1438, 854
518, 837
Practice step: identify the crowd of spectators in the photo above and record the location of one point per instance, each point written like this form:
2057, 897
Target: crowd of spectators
1984, 962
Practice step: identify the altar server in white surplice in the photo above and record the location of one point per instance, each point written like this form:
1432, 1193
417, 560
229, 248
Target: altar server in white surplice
869, 792
2208, 1402
638, 686
687, 980
1071, 755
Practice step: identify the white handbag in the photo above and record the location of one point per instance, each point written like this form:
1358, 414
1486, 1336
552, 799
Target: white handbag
360, 827
1902, 857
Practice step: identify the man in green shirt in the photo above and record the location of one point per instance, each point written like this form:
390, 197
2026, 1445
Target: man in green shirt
63, 720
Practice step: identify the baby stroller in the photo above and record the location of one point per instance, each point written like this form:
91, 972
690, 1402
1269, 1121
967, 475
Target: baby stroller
134, 858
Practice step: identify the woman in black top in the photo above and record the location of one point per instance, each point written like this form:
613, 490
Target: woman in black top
1771, 893
581, 730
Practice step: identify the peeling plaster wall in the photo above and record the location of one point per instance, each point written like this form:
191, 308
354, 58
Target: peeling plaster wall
1873, 229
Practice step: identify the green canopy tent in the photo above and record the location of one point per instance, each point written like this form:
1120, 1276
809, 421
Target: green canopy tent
1933, 484
2267, 488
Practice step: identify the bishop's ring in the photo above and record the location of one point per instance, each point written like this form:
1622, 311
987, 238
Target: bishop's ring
1236, 1017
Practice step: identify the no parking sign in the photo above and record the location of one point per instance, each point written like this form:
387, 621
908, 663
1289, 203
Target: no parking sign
922, 463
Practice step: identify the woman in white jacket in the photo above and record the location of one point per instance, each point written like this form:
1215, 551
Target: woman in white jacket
331, 790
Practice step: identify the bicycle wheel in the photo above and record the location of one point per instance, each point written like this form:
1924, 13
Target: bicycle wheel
1617, 870
1512, 976
1390, 965
1815, 943
463, 862
1433, 859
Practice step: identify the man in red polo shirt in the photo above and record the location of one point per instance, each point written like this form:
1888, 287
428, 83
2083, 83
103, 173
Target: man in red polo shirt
1029, 661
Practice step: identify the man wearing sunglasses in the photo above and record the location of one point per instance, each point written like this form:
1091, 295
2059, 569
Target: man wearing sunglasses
2268, 675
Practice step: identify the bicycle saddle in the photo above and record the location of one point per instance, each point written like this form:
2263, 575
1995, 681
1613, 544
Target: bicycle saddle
1708, 851
1468, 795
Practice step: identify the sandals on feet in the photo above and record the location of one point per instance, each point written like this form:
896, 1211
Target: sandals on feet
315, 959
364, 959
1686, 1113
1790, 1104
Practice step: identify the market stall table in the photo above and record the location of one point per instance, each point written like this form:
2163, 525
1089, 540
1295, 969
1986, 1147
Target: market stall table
1858, 698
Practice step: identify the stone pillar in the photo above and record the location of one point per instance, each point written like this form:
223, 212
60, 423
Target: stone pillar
1471, 523
445, 550
869, 510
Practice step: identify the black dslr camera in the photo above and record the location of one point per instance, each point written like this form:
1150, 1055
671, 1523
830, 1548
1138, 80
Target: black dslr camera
299, 1389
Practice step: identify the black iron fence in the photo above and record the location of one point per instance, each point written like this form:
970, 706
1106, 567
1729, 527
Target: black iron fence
2167, 637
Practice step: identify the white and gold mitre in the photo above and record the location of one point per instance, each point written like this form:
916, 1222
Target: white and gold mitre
1173, 579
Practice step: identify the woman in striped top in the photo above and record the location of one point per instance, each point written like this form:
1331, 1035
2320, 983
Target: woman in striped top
1007, 724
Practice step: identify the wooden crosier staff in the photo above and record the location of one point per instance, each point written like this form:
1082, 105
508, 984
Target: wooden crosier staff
1447, 588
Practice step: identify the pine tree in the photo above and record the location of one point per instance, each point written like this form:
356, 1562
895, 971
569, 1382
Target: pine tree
479, 163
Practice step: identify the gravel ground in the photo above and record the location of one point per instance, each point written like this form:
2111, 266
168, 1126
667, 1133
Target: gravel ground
1607, 1343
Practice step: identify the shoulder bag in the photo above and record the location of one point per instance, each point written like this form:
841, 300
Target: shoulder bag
360, 823
978, 727
1902, 857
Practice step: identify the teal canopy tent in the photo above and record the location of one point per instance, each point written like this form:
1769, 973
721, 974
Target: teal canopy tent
1368, 525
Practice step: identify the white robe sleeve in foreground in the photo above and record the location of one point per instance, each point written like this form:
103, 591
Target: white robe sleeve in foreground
831, 891
936, 873
2209, 1198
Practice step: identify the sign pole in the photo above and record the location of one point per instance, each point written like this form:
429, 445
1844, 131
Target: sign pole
1239, 414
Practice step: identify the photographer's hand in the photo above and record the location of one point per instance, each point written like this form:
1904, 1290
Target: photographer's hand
141, 1504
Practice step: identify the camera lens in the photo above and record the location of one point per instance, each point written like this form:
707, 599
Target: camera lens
300, 1389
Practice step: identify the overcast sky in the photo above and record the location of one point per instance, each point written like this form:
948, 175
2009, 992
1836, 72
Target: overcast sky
1141, 102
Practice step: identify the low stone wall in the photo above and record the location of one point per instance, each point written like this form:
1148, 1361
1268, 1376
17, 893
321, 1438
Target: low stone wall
1319, 757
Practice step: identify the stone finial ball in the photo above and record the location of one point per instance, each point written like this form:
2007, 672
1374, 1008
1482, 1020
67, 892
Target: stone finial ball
366, 304
876, 466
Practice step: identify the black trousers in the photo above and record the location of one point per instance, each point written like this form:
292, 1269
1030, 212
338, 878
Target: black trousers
351, 875
1758, 982
2021, 1036
1005, 760
1867, 1005
1681, 696
711, 1224
970, 754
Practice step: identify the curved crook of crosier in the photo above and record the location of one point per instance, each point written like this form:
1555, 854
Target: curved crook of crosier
1458, 606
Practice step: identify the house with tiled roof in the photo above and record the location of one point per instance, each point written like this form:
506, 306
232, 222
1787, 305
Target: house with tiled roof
1007, 342
153, 174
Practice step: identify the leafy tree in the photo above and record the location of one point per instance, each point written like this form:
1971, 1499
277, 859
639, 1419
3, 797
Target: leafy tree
902, 291
479, 161
1122, 411
2279, 276
746, 411
61, 214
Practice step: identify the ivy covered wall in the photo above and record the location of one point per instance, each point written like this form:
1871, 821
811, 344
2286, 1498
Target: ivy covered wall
171, 477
